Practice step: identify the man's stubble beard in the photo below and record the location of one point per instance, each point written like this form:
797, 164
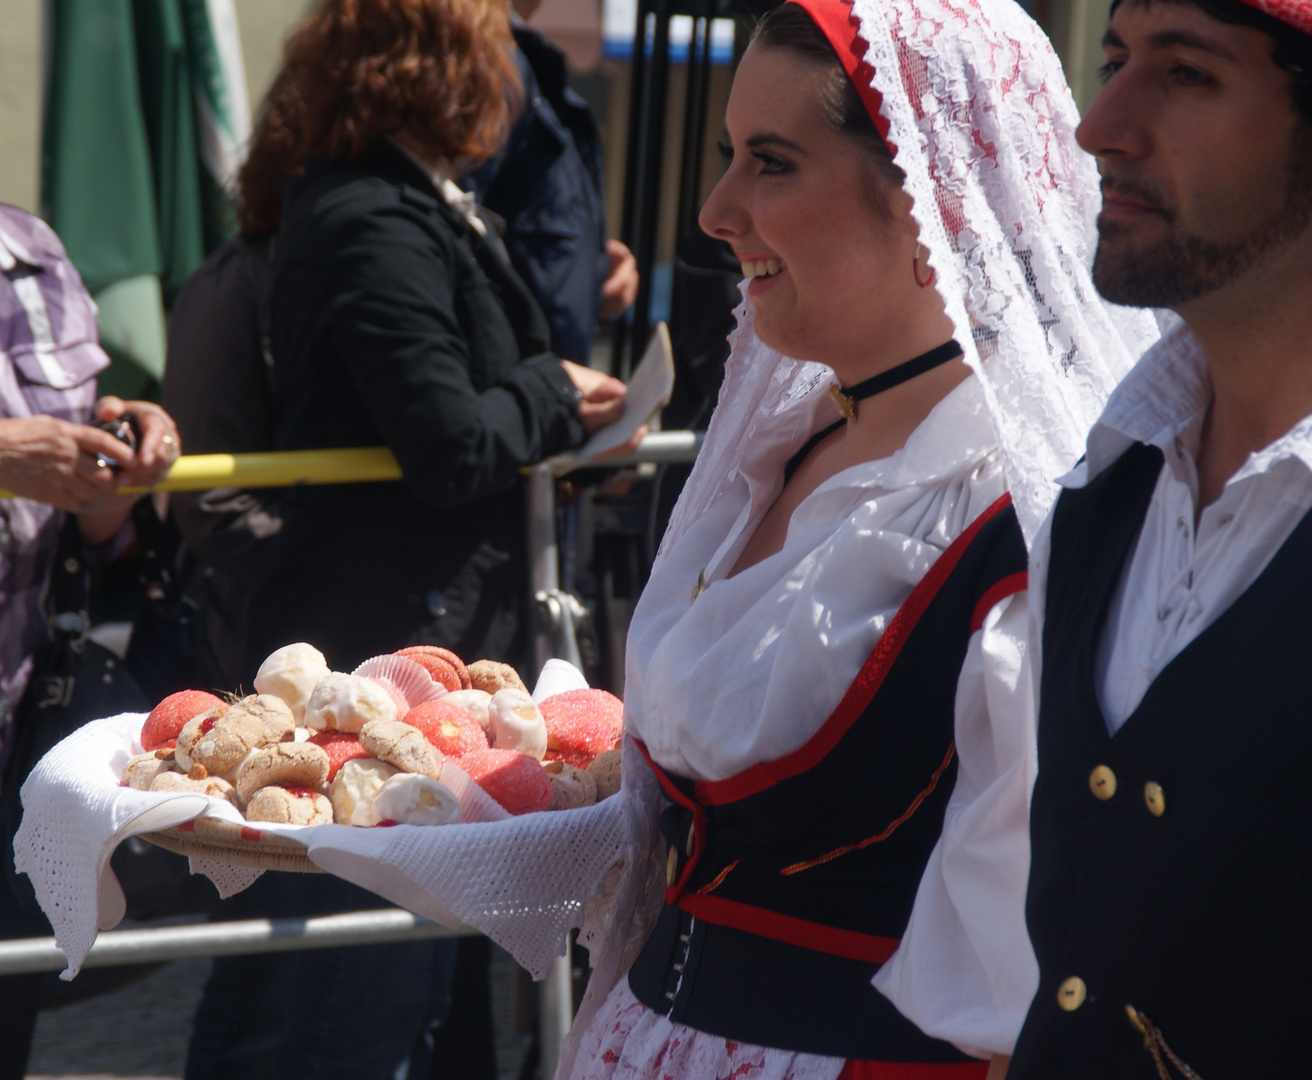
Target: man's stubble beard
1183, 266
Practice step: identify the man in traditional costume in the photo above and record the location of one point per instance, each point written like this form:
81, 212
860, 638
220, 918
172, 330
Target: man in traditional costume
1172, 584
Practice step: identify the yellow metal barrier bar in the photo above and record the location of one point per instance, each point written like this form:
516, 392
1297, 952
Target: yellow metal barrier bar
200, 472
366, 464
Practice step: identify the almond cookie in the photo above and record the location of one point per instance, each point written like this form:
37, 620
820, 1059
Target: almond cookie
299, 764
605, 770
517, 724
211, 785
409, 799
289, 806
489, 676
570, 787
403, 746
291, 673
352, 792
346, 703
221, 742
140, 771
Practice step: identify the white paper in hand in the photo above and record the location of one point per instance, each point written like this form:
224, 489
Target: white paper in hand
649, 391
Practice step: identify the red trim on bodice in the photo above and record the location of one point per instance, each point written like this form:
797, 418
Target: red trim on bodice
819, 937
864, 687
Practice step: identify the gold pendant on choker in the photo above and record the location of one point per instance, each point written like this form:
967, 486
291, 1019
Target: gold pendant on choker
843, 402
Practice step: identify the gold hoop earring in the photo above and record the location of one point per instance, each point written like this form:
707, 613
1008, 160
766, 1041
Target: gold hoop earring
915, 269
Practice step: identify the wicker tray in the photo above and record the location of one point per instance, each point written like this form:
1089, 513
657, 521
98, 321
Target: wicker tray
237, 845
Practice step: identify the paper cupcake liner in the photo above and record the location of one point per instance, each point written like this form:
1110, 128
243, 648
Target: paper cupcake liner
415, 684
475, 803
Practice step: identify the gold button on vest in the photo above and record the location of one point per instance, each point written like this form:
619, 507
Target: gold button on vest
1071, 993
1155, 797
1102, 782
672, 867
692, 838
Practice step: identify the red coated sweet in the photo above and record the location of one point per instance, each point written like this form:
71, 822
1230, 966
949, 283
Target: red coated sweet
340, 746
577, 758
168, 717
448, 727
398, 698
518, 782
442, 664
582, 724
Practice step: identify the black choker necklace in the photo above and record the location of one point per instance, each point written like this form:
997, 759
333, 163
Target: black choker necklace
846, 398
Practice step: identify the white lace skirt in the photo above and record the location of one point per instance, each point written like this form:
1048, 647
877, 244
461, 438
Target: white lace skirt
627, 1041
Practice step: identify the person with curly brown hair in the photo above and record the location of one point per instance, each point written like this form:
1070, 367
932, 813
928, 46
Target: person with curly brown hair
394, 317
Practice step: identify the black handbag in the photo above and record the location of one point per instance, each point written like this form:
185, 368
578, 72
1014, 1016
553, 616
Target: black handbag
75, 680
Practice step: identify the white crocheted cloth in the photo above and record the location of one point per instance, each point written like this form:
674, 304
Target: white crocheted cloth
522, 881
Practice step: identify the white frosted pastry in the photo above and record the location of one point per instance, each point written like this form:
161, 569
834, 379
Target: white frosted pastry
292, 673
346, 703
411, 799
474, 702
516, 723
354, 787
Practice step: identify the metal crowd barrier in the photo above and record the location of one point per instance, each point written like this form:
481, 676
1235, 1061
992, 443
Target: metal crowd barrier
558, 613
160, 944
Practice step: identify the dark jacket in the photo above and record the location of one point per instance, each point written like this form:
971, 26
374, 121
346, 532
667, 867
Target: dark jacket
1169, 870
392, 321
547, 186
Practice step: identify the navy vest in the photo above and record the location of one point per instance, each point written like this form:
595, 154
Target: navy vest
1172, 862
791, 882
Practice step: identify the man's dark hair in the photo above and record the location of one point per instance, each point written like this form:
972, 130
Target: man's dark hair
1291, 52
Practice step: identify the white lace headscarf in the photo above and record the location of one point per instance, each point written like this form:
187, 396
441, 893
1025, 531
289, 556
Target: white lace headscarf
983, 125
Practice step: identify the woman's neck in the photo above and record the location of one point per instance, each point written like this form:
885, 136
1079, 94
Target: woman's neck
885, 421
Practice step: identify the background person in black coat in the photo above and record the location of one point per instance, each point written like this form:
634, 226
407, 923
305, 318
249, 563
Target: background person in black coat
394, 318
547, 185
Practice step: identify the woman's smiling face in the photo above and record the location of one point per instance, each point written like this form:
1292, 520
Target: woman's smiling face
799, 205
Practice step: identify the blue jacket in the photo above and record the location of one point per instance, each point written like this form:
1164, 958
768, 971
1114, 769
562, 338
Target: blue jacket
547, 185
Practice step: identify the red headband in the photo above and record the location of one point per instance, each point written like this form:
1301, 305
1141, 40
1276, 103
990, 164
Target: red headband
1297, 13
839, 25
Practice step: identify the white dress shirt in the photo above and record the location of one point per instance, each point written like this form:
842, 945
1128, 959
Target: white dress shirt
1180, 576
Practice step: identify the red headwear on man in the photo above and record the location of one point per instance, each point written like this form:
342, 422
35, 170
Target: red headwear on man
840, 27
1297, 13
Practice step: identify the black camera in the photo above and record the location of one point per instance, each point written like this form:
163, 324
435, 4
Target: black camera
125, 430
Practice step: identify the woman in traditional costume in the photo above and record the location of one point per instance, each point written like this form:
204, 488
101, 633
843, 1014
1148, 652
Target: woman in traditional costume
822, 825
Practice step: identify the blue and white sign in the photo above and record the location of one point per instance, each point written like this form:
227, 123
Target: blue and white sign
617, 22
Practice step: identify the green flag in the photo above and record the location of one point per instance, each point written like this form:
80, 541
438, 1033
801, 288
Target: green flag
222, 107
123, 181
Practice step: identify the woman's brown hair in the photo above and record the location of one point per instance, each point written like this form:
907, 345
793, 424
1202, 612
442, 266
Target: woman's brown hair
788, 28
441, 71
